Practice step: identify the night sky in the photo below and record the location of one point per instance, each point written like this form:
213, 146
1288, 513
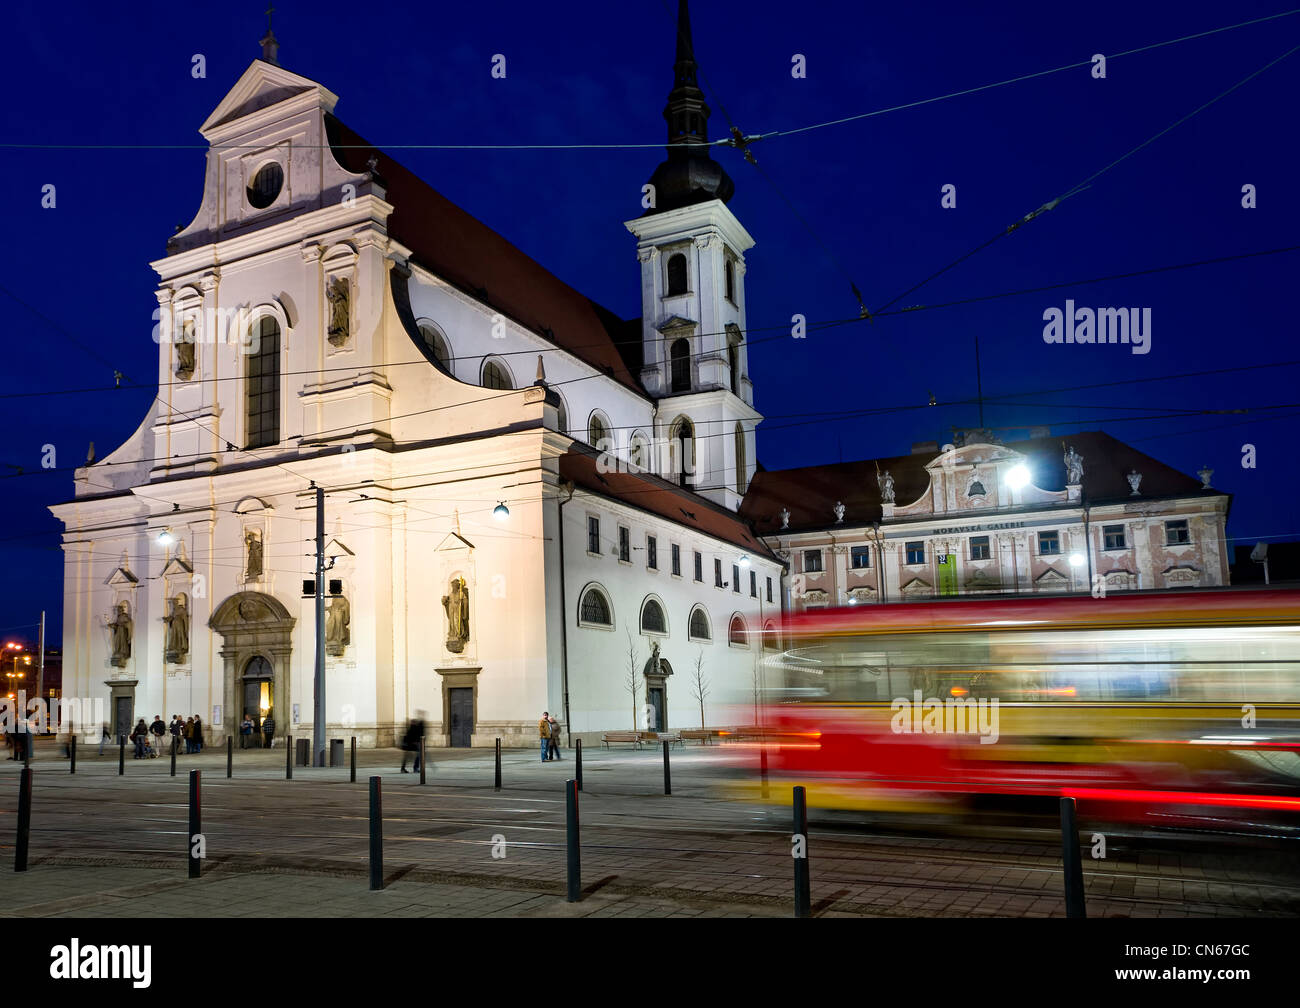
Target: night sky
852, 203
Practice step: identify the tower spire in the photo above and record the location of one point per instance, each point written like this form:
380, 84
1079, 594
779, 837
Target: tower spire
269, 45
689, 175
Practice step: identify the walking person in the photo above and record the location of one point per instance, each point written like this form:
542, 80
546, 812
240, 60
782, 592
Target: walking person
554, 750
411, 740
268, 728
246, 732
544, 731
106, 737
198, 734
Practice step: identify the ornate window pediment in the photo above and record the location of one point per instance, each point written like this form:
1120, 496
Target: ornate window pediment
916, 588
1182, 575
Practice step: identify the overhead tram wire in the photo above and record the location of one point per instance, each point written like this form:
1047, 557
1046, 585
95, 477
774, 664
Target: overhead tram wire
1081, 186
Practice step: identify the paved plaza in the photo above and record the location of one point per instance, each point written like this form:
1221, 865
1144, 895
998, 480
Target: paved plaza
104, 845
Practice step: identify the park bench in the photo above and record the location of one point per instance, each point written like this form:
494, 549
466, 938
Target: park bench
704, 736
621, 736
672, 738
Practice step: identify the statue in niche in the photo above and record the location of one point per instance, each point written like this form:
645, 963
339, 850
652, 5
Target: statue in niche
839, 512
1073, 467
338, 620
1134, 481
654, 665
254, 542
886, 482
121, 627
339, 296
185, 352
456, 603
785, 518
177, 644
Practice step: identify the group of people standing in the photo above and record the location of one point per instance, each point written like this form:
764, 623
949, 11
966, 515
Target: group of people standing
249, 735
149, 738
549, 730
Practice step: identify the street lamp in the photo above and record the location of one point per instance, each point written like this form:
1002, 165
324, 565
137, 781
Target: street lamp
1017, 477
501, 512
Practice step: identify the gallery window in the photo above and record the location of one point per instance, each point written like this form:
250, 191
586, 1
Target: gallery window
979, 547
860, 557
1114, 537
1049, 543
1176, 533
916, 553
812, 561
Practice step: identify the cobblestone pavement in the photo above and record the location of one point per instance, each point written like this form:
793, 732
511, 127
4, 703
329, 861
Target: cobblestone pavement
104, 845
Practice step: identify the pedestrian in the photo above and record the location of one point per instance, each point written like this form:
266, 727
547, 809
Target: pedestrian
158, 729
177, 728
198, 734
554, 751
245, 731
140, 736
268, 728
187, 734
412, 739
544, 731
106, 737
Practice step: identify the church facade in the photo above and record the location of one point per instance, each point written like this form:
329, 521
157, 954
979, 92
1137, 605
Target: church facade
529, 503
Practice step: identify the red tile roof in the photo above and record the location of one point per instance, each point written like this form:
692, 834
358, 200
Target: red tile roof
810, 493
468, 254
656, 495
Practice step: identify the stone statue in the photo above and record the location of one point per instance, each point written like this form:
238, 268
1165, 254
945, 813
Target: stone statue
121, 627
338, 620
177, 644
1206, 474
456, 603
785, 518
1073, 467
185, 352
886, 482
339, 298
652, 665
1134, 481
254, 556
839, 512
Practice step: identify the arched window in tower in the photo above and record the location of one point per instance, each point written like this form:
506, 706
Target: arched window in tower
495, 377
740, 459
679, 356
598, 433
682, 452
638, 455
436, 344
676, 273
262, 381
730, 269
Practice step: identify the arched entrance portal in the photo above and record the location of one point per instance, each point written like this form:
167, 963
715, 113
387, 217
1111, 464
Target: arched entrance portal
256, 632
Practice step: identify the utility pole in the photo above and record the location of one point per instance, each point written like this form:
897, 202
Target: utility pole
318, 714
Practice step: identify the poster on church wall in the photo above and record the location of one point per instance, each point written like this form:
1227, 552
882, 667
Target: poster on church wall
947, 573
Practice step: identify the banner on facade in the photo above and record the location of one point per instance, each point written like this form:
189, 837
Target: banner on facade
947, 573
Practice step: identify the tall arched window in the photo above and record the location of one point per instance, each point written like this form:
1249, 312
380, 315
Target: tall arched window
733, 362
682, 452
652, 618
598, 433
676, 274
679, 354
699, 625
262, 379
595, 608
770, 640
495, 377
638, 455
561, 417
436, 344
730, 269
737, 634
740, 459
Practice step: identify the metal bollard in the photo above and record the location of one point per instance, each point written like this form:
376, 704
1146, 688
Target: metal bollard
421, 759
802, 880
497, 779
573, 843
24, 819
376, 835
72, 752
121, 755
668, 772
230, 756
762, 770
577, 748
195, 828
173, 755
354, 759
1072, 860
288, 757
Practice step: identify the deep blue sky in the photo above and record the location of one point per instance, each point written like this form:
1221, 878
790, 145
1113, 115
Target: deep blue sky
595, 72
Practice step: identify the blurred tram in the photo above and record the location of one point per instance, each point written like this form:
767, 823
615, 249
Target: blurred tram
1178, 709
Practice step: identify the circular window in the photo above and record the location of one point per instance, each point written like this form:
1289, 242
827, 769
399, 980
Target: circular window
266, 185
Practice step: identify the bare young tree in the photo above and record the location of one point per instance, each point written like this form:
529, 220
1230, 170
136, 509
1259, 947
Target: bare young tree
633, 681
700, 684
